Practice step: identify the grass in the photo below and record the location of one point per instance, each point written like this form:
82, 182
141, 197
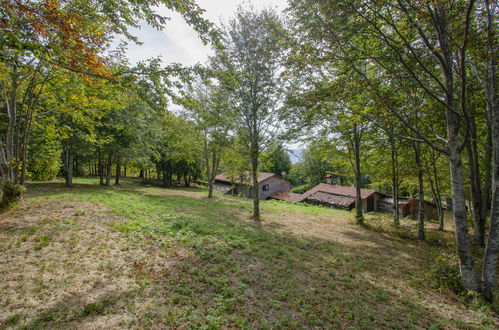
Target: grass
136, 256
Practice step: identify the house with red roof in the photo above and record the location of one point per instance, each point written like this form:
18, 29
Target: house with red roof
268, 184
335, 196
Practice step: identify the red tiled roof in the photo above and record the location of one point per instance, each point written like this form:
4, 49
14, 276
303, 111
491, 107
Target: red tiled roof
262, 176
337, 190
287, 196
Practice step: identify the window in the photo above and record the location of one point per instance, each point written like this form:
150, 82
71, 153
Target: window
265, 187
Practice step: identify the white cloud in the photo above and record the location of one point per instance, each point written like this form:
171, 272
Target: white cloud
178, 42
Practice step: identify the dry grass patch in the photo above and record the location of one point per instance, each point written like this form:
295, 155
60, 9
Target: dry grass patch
146, 257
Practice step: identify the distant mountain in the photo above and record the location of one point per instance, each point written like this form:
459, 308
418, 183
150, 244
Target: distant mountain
295, 155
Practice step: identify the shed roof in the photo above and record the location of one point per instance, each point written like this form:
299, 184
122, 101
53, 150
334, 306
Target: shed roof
337, 200
338, 190
287, 196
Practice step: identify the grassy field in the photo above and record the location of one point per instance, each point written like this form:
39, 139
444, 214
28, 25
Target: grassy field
144, 257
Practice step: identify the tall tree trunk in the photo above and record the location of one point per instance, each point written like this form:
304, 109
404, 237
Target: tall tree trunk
487, 184
208, 167
100, 167
124, 171
420, 212
255, 151
210, 188
475, 185
165, 179
358, 197
141, 174
466, 264
395, 180
118, 173
492, 249
24, 148
7, 154
68, 164
435, 189
256, 192
109, 167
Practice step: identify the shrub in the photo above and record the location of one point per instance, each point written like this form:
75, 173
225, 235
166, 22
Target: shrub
444, 271
301, 189
11, 194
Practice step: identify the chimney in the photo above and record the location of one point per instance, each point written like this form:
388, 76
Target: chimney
329, 179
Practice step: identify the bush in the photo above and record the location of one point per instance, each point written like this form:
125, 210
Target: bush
44, 167
301, 189
444, 272
11, 194
44, 152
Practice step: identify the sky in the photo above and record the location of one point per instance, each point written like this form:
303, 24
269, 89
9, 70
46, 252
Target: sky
178, 42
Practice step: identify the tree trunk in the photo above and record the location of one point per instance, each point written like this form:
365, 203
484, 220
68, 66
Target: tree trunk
165, 179
124, 171
24, 149
475, 185
466, 264
435, 189
358, 198
7, 153
395, 180
141, 173
68, 164
118, 173
492, 249
100, 167
256, 193
487, 184
109, 167
210, 188
255, 151
420, 213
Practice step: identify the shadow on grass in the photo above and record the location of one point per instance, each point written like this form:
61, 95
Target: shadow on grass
254, 271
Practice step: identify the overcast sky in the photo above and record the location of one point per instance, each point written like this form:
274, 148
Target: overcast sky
178, 42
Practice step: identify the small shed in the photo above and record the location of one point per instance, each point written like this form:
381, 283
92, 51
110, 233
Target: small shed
335, 196
408, 207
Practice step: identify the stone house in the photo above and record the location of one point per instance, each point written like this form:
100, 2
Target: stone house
268, 184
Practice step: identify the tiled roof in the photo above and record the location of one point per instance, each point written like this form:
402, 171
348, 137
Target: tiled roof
337, 190
287, 196
262, 176
336, 200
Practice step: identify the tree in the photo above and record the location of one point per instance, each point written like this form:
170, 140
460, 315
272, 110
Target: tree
38, 37
209, 107
249, 67
416, 46
276, 160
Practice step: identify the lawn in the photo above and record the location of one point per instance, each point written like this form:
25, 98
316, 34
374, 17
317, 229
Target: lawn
134, 256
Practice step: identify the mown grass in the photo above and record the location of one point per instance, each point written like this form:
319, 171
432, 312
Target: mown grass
231, 272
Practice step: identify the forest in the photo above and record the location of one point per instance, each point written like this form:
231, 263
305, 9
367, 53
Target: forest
397, 96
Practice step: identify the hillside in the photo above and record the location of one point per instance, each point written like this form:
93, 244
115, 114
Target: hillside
137, 256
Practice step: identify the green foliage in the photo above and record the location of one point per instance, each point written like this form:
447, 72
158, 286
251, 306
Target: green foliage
444, 271
44, 152
11, 193
275, 160
302, 188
